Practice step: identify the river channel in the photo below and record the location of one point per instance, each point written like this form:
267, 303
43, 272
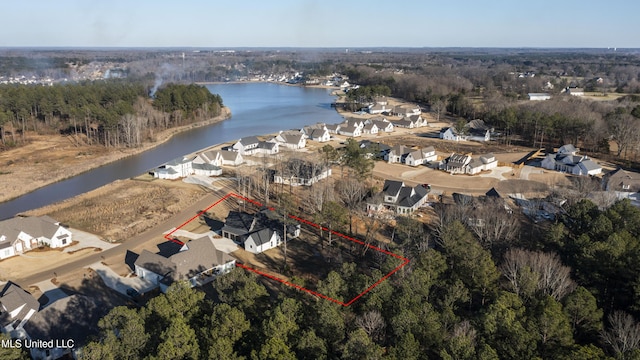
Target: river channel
257, 108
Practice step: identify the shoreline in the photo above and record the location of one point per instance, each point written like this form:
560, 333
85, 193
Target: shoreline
120, 154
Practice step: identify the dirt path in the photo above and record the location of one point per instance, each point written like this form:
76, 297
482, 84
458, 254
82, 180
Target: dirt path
47, 159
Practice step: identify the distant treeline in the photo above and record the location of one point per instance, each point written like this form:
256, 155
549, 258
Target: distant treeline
111, 113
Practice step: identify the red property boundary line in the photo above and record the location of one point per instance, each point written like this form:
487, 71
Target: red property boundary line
404, 260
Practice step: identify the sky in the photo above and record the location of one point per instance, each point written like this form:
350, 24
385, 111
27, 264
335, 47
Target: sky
320, 23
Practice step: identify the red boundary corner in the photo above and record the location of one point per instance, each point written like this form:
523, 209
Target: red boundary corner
404, 260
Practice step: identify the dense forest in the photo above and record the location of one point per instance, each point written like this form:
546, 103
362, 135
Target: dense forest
109, 113
570, 295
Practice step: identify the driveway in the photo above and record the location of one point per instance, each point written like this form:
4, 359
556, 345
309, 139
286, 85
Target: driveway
87, 240
120, 283
52, 292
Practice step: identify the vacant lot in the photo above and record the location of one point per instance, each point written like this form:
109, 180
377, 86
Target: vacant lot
123, 208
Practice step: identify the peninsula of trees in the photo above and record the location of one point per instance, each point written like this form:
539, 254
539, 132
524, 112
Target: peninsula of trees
113, 113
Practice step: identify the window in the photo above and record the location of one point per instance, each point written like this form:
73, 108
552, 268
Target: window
626, 186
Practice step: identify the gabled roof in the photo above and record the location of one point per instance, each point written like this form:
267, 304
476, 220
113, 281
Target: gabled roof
589, 165
195, 257
567, 149
35, 226
12, 298
155, 263
229, 155
428, 149
400, 150
238, 222
333, 127
392, 187
249, 140
487, 158
73, 317
493, 193
317, 133
209, 155
622, 180
261, 236
267, 145
179, 161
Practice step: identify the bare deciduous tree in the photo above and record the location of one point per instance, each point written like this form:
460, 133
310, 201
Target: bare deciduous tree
529, 271
350, 192
372, 323
623, 334
496, 225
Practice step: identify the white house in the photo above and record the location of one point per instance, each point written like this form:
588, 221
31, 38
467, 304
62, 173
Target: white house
333, 128
483, 162
371, 129
397, 154
298, 172
198, 262
575, 91
262, 240
567, 160
421, 156
290, 140
350, 131
405, 123
245, 145
320, 135
21, 234
218, 158
258, 229
175, 169
383, 125
406, 110
378, 109
207, 170
450, 133
539, 96
418, 120
17, 307
397, 198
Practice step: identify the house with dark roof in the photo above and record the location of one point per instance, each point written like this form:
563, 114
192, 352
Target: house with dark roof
258, 232
418, 120
397, 198
371, 129
17, 307
73, 318
405, 123
456, 163
198, 262
21, 234
374, 150
297, 172
218, 158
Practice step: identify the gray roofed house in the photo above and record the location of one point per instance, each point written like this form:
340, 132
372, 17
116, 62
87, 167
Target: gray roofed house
17, 306
197, 262
333, 128
21, 234
242, 227
320, 135
74, 317
623, 181
566, 160
398, 198
207, 169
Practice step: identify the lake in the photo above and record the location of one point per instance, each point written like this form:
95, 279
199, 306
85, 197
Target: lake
257, 108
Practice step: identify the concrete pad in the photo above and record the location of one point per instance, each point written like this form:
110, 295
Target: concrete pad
87, 240
498, 172
119, 283
225, 245
51, 291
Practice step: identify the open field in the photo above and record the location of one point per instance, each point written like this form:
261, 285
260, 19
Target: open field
123, 208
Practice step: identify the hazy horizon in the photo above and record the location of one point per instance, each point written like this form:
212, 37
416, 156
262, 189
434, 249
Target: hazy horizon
313, 24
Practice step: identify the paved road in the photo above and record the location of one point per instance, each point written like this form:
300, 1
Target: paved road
153, 233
